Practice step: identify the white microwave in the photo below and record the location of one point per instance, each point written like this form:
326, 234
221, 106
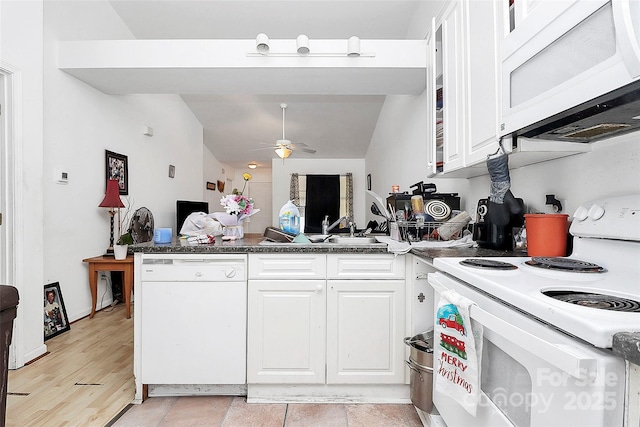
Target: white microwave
565, 54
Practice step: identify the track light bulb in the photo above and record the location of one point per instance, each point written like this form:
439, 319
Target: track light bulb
353, 46
262, 43
302, 42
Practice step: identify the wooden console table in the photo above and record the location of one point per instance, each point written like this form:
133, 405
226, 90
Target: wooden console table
106, 263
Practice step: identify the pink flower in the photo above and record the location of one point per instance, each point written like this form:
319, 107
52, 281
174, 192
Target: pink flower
237, 204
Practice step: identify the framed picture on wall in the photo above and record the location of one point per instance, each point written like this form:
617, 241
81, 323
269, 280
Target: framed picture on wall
55, 315
117, 168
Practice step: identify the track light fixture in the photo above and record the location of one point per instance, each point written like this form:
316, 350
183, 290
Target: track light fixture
262, 44
302, 48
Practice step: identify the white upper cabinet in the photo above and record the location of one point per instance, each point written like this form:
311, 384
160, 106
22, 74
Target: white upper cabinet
484, 30
453, 89
463, 80
464, 83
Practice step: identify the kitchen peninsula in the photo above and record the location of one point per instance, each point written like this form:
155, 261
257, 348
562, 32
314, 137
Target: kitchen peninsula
277, 322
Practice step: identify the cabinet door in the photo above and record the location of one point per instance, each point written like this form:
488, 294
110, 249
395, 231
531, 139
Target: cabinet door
434, 72
485, 28
286, 331
365, 330
453, 88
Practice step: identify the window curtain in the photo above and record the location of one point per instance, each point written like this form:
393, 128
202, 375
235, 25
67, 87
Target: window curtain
294, 189
323, 198
350, 196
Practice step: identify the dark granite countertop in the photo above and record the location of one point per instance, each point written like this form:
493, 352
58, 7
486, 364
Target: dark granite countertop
430, 253
254, 243
627, 346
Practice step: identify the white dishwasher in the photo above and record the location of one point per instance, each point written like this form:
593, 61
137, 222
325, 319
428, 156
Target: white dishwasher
193, 320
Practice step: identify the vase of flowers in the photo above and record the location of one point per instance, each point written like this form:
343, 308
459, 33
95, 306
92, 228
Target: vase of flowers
237, 208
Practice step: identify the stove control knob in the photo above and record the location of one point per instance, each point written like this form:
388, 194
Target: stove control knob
596, 212
581, 213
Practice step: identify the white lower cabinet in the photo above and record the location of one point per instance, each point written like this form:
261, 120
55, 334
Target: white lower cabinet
365, 327
342, 323
286, 331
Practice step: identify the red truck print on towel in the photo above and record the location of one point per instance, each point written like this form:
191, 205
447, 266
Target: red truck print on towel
449, 318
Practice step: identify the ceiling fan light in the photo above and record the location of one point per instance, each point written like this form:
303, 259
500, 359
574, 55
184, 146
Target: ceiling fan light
302, 42
353, 46
283, 152
262, 43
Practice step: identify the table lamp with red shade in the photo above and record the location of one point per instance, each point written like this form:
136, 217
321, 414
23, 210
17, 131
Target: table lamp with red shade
111, 200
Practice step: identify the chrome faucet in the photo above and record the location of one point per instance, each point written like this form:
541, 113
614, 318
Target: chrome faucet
352, 229
325, 224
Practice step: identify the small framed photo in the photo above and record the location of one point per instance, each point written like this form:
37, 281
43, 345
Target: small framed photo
211, 185
117, 168
55, 315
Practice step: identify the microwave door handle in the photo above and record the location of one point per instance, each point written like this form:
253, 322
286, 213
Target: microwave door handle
562, 356
627, 36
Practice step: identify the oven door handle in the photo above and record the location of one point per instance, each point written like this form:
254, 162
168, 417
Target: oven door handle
562, 356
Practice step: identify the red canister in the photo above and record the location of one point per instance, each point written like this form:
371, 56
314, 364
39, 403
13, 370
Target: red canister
546, 234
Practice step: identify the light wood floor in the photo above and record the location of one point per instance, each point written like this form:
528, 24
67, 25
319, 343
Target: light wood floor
85, 380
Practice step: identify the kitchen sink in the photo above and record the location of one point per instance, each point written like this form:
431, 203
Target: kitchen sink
347, 240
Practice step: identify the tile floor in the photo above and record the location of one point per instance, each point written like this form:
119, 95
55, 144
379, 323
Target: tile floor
231, 411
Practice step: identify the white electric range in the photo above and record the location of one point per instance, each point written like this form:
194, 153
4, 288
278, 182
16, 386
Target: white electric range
549, 323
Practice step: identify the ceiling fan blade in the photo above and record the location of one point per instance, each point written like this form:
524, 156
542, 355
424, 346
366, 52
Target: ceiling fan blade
264, 148
302, 147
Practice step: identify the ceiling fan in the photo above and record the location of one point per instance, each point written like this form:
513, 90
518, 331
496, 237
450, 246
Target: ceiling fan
283, 147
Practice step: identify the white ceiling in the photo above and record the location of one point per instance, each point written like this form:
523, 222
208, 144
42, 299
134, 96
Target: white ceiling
235, 125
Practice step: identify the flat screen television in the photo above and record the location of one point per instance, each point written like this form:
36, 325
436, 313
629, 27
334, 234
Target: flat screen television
186, 207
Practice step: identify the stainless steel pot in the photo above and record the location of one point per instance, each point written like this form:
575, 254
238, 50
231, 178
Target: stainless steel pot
421, 364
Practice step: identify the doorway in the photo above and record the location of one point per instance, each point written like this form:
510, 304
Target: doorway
260, 192
10, 192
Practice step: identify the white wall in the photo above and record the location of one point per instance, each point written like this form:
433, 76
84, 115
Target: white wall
398, 151
80, 123
21, 51
281, 177
214, 171
611, 168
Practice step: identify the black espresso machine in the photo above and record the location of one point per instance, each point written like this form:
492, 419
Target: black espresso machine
492, 236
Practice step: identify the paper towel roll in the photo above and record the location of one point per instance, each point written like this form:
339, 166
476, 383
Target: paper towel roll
454, 225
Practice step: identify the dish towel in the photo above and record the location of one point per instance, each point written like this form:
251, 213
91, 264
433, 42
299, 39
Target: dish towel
458, 340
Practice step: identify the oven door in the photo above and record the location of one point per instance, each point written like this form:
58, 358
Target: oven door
533, 375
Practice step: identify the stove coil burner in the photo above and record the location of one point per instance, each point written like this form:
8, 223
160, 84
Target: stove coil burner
487, 264
565, 264
603, 302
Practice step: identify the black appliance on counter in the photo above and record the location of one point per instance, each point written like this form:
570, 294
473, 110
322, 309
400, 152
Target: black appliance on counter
491, 236
428, 191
